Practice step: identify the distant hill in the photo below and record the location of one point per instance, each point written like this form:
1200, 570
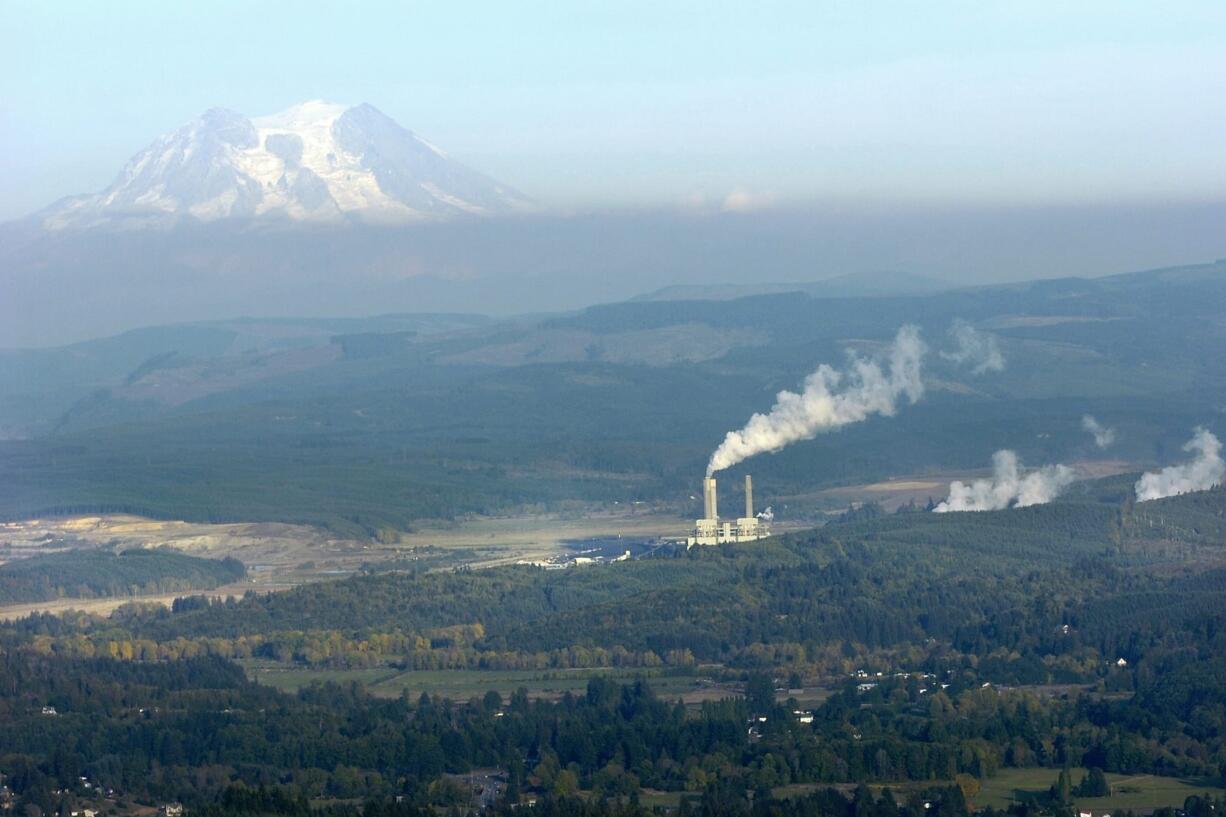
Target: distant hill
851, 285
357, 424
171, 362
82, 574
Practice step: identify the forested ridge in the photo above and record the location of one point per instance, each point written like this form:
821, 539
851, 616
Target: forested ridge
390, 429
90, 573
1050, 593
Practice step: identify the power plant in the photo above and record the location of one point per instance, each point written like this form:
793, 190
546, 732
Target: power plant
710, 531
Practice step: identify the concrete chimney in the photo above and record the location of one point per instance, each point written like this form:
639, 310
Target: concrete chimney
710, 506
748, 497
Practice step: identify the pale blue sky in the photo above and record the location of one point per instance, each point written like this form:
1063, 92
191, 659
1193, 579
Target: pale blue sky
628, 103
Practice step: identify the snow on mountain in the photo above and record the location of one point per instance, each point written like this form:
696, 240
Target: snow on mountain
316, 161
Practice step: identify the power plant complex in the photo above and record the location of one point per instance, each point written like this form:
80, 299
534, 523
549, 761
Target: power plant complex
710, 531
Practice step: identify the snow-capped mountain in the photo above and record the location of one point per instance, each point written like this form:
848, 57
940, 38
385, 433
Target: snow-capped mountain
316, 161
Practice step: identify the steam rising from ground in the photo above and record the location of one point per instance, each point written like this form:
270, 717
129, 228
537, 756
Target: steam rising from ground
977, 349
1103, 436
1008, 488
1200, 473
831, 399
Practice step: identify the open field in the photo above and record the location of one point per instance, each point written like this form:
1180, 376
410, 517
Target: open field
274, 553
703, 683
297, 552
465, 684
653, 798
279, 556
1135, 793
510, 539
919, 488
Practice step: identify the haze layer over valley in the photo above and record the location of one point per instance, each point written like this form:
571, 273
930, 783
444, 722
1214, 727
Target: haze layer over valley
327, 210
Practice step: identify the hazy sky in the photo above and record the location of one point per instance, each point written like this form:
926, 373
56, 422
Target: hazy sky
626, 102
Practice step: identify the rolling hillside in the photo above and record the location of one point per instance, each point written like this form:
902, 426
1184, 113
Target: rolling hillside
359, 424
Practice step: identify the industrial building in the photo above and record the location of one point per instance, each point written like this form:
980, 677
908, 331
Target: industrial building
710, 531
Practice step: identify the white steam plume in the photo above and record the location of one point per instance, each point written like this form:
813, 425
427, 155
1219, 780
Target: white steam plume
831, 399
979, 350
767, 515
1103, 436
1200, 473
1008, 488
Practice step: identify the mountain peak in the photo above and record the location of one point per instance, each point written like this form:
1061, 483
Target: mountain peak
316, 160
313, 111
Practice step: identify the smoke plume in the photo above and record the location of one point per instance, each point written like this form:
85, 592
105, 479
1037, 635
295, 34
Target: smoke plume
976, 349
831, 399
1008, 488
1200, 473
767, 515
1103, 436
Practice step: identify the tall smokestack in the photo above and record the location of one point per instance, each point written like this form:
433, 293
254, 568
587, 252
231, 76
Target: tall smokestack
710, 506
748, 497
